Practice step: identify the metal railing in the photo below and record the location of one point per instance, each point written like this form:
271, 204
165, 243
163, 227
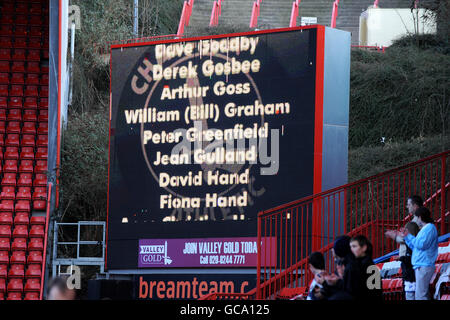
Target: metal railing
369, 206
185, 17
44, 260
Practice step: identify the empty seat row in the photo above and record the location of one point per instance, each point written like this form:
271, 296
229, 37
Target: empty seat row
22, 42
23, 19
23, 8
18, 296
23, 180
26, 115
20, 231
22, 30
23, 193
20, 78
24, 166
18, 249
23, 67
21, 217
23, 54
17, 90
24, 127
26, 140
15, 285
30, 271
21, 102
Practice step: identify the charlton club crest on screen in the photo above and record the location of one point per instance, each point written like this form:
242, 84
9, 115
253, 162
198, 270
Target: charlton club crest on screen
151, 254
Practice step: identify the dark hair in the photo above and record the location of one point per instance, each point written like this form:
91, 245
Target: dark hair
416, 200
317, 260
424, 214
413, 228
363, 241
342, 246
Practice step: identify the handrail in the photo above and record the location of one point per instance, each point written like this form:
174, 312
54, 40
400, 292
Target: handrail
255, 14
334, 14
185, 16
294, 13
215, 13
44, 258
352, 184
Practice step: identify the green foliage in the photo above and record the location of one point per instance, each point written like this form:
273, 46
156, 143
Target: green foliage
399, 95
84, 166
364, 162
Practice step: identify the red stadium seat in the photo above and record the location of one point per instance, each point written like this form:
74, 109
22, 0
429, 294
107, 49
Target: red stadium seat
4, 90
11, 152
22, 206
3, 271
33, 67
44, 91
43, 103
26, 166
30, 103
32, 79
15, 115
21, 19
5, 54
4, 66
16, 91
41, 166
30, 115
37, 231
36, 244
33, 271
4, 256
2, 285
4, 78
35, 20
13, 127
17, 270
6, 219
6, 30
18, 257
25, 180
7, 206
12, 140
27, 153
36, 8
5, 232
40, 180
20, 231
43, 128
18, 66
14, 295
38, 220
8, 193
15, 285
15, 103
21, 218
19, 55
2, 114
44, 80
34, 43
21, 31
24, 193
41, 153
31, 296
5, 244
17, 78
34, 55
20, 42
9, 179
35, 31
3, 102
33, 285
19, 244
10, 166
28, 140
29, 128
5, 42
34, 257
31, 91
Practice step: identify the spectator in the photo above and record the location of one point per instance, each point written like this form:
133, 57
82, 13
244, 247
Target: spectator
413, 203
316, 263
405, 252
424, 251
363, 278
58, 290
334, 284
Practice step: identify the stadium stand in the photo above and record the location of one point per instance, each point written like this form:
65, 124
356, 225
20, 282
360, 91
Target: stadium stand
23, 145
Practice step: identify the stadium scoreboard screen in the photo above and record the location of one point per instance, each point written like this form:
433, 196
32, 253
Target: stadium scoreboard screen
204, 134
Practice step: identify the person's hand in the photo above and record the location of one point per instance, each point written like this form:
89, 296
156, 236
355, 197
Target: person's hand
340, 270
391, 234
319, 278
331, 279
